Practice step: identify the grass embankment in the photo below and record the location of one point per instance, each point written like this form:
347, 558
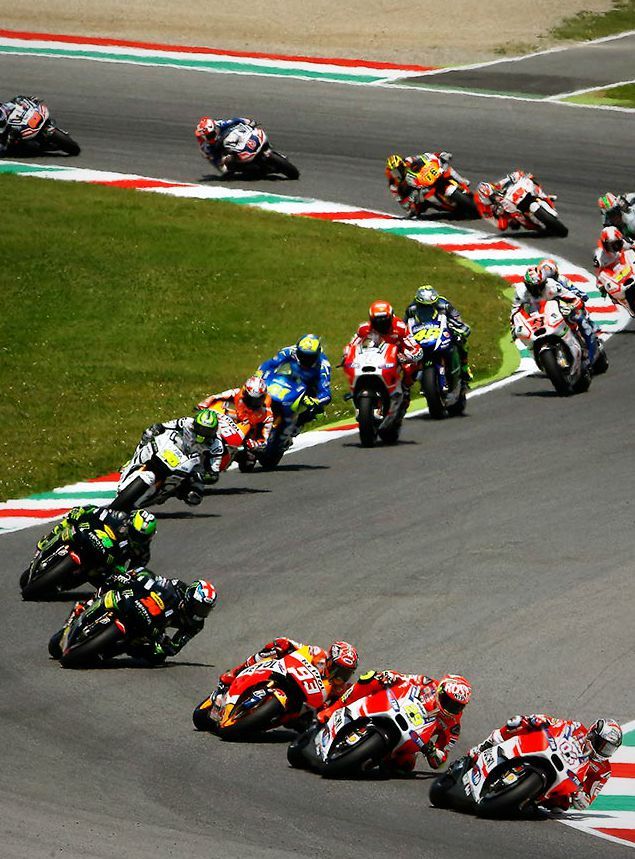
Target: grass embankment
592, 25
618, 96
121, 308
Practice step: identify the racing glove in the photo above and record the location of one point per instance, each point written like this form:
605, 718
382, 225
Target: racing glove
435, 757
150, 432
580, 800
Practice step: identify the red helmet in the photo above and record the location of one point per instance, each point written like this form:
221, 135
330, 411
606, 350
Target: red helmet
612, 239
341, 661
381, 315
453, 694
206, 130
253, 392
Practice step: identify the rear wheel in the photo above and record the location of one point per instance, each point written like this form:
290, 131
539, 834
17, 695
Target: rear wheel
430, 389
92, 648
465, 205
601, 364
511, 799
54, 577
364, 755
280, 164
557, 376
127, 499
551, 223
61, 140
366, 419
254, 721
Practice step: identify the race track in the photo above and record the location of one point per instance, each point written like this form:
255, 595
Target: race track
497, 545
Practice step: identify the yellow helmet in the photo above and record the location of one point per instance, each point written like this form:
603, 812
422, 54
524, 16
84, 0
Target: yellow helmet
395, 162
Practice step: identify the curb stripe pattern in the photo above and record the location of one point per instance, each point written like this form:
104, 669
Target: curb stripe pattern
204, 59
503, 257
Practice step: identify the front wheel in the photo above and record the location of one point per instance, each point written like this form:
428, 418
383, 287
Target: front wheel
556, 374
552, 224
432, 393
62, 140
254, 721
35, 587
601, 364
128, 498
513, 799
365, 754
366, 419
280, 164
92, 648
201, 716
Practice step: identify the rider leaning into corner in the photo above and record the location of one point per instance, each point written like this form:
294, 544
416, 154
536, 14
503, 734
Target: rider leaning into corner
427, 305
489, 199
619, 212
307, 363
611, 244
399, 169
210, 135
450, 694
6, 109
599, 742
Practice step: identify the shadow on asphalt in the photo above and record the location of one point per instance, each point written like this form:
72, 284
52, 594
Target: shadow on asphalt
290, 467
545, 393
67, 596
117, 663
234, 490
185, 514
244, 177
400, 443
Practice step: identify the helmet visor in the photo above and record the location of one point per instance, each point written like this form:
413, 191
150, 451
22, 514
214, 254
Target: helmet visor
450, 705
613, 246
604, 747
253, 402
340, 673
381, 324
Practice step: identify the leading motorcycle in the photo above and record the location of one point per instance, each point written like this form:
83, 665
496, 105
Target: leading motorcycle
253, 153
539, 767
31, 126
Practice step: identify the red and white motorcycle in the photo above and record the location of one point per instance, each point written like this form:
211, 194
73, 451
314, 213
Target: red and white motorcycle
265, 695
532, 208
540, 767
31, 125
375, 377
557, 349
618, 283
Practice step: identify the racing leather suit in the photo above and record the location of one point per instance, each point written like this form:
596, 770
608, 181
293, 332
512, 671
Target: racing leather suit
623, 216
404, 193
260, 420
210, 455
494, 209
6, 109
447, 728
458, 328
316, 379
571, 305
215, 152
597, 774
100, 536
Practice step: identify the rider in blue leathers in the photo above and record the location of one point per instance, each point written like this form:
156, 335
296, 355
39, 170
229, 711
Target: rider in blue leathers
308, 364
210, 135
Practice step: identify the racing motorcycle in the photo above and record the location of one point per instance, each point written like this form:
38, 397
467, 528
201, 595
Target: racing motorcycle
288, 396
360, 736
557, 349
102, 629
437, 188
619, 283
57, 564
268, 694
440, 375
31, 126
531, 208
375, 378
533, 768
253, 153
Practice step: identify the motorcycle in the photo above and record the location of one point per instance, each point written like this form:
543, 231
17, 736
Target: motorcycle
57, 564
440, 375
375, 377
287, 398
533, 768
619, 283
531, 208
31, 125
266, 695
360, 736
437, 188
253, 153
557, 349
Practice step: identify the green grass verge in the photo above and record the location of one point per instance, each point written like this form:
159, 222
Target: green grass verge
592, 25
121, 308
618, 96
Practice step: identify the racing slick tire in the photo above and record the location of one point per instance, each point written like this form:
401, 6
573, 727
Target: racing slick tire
390, 435
629, 295
511, 800
127, 499
270, 459
553, 370
364, 755
366, 419
55, 651
49, 582
552, 225
201, 717
61, 140
92, 649
465, 205
280, 164
430, 390
601, 363
255, 721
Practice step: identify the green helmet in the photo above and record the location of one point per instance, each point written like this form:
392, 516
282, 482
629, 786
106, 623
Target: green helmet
426, 295
142, 526
205, 425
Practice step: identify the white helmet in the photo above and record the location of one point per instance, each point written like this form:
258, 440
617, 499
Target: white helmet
605, 738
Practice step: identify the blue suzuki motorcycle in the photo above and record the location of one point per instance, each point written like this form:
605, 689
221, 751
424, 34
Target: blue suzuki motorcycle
287, 397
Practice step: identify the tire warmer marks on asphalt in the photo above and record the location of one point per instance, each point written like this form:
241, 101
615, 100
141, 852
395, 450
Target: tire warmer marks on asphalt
205, 59
496, 254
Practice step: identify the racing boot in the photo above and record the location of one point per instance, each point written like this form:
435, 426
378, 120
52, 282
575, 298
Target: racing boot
466, 375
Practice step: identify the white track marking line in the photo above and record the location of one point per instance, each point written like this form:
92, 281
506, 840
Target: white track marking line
587, 89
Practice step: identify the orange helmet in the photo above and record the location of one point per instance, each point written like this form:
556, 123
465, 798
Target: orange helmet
453, 694
380, 316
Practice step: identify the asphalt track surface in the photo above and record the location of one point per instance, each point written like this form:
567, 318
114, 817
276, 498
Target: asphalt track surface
498, 545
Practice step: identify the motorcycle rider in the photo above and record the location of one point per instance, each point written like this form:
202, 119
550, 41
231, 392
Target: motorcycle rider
489, 198
619, 212
400, 173
384, 325
428, 304
111, 541
250, 404
549, 268
310, 366
210, 135
537, 285
196, 436
599, 742
611, 244
152, 604
450, 695
7, 134
336, 665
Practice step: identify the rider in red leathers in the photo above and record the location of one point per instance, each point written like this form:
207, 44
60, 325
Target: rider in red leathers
451, 694
600, 741
383, 324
